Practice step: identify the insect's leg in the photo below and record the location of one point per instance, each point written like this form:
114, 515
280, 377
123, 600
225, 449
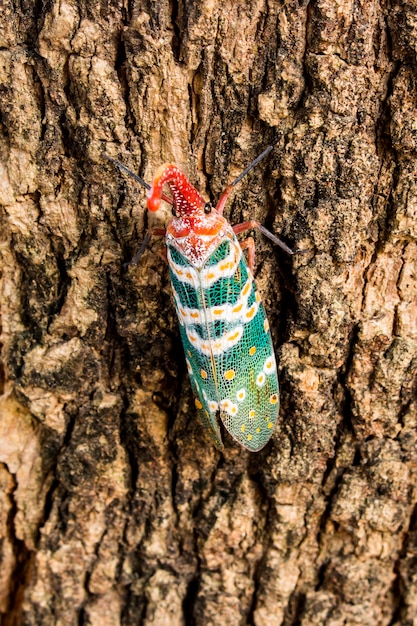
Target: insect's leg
223, 199
153, 232
249, 244
241, 228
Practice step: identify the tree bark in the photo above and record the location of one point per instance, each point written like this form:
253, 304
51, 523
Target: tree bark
115, 508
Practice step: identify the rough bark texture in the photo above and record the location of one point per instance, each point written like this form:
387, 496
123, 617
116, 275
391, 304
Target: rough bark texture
114, 507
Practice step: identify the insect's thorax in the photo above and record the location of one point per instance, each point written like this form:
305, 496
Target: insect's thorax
197, 236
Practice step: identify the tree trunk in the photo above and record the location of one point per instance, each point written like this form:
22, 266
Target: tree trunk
115, 507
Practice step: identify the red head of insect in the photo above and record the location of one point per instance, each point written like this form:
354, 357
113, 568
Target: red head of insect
186, 200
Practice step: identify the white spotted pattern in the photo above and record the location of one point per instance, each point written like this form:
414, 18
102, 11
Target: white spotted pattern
226, 312
207, 276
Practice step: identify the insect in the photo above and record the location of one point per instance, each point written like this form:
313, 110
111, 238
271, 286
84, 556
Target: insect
224, 329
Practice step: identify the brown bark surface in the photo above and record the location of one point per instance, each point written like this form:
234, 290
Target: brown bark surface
114, 506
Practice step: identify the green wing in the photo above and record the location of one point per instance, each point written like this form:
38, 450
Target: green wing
227, 344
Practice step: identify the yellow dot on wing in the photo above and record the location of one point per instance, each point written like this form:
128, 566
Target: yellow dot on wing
260, 379
252, 350
241, 395
270, 425
243, 428
229, 374
251, 413
274, 398
269, 365
203, 374
246, 288
198, 403
251, 312
249, 437
258, 430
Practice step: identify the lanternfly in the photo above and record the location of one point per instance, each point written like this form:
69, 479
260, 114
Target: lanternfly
224, 329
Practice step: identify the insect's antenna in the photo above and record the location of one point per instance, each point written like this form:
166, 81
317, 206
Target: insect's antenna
226, 192
140, 180
252, 165
125, 169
